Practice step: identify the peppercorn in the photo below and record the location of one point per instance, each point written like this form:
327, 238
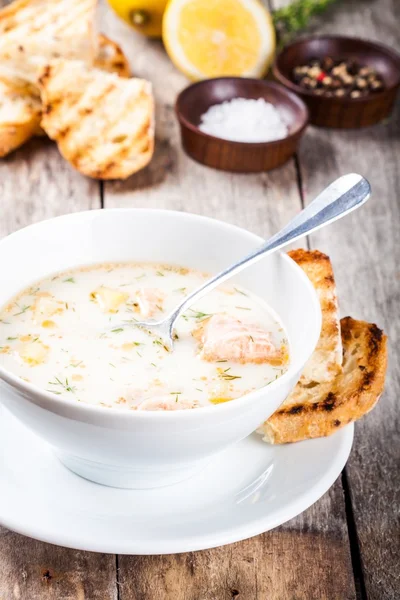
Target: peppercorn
361, 83
327, 63
306, 82
327, 81
301, 70
337, 77
352, 67
365, 71
347, 79
376, 85
314, 72
336, 84
340, 69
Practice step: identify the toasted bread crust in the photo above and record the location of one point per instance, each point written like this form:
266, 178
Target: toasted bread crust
322, 409
110, 57
326, 360
20, 114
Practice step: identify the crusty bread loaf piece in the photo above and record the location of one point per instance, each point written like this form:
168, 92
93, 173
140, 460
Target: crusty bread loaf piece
315, 410
33, 32
21, 106
20, 115
103, 124
326, 361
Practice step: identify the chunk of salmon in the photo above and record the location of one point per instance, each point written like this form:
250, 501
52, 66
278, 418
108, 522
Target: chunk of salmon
223, 337
149, 301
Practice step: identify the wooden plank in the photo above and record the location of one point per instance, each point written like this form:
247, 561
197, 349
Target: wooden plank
31, 570
365, 252
35, 184
308, 557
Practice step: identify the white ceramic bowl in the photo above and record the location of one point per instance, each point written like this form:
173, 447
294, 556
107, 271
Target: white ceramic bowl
139, 449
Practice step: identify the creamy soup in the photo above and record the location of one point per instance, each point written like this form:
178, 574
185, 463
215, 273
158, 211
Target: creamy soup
63, 335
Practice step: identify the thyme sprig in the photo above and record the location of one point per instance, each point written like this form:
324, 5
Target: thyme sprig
296, 16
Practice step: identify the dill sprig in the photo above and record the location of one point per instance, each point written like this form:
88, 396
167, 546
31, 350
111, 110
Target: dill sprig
22, 309
199, 315
240, 291
66, 386
228, 376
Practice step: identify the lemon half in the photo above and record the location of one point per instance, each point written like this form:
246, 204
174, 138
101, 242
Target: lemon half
217, 38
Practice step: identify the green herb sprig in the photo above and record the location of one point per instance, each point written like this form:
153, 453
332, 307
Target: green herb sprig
296, 16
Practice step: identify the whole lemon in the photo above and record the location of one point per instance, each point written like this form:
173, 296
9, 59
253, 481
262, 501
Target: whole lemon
143, 15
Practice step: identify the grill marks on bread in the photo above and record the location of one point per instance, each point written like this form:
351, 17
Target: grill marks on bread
110, 57
21, 106
319, 410
103, 124
352, 384
33, 32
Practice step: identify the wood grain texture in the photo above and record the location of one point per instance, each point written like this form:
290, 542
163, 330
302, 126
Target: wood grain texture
365, 252
304, 559
31, 570
35, 184
309, 557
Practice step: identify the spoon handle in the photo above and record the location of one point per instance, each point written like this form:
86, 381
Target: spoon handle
340, 198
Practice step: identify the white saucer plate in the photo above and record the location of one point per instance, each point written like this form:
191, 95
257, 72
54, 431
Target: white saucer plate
250, 488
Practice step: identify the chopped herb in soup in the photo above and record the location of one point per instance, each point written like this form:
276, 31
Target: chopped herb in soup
64, 335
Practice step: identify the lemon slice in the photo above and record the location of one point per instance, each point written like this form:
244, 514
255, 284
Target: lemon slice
216, 38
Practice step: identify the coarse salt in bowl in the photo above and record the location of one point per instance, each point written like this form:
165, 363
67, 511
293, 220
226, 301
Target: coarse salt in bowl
244, 120
240, 125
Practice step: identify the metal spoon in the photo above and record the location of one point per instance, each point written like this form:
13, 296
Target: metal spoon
340, 198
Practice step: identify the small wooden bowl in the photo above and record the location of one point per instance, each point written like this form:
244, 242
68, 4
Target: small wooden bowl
241, 157
342, 112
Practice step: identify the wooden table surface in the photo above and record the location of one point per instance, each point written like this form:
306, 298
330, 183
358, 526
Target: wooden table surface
346, 546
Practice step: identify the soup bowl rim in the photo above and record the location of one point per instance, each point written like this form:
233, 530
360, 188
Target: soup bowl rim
94, 412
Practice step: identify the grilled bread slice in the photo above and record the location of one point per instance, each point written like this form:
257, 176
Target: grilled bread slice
103, 124
33, 32
20, 115
326, 361
21, 106
317, 410
110, 57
